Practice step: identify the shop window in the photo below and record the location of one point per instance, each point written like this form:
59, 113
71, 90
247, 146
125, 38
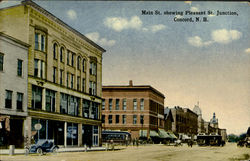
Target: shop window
72, 134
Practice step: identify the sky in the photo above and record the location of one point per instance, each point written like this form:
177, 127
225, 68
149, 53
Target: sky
189, 62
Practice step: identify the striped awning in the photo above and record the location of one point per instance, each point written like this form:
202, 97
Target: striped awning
153, 133
170, 133
163, 134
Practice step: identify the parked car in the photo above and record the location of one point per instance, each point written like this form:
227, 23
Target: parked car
43, 146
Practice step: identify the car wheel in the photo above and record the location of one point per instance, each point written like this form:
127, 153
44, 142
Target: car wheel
55, 150
39, 151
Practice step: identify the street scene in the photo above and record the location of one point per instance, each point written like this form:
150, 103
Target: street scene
148, 153
125, 80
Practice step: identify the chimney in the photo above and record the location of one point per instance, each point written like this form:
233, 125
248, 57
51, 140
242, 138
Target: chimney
130, 83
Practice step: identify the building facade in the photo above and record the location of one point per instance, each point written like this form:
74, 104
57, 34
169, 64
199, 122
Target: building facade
13, 90
185, 121
136, 109
64, 76
201, 122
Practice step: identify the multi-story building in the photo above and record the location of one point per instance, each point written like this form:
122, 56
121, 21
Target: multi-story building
138, 109
197, 110
185, 121
64, 76
13, 90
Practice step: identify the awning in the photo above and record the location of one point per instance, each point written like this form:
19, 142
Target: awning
172, 135
153, 133
143, 133
163, 134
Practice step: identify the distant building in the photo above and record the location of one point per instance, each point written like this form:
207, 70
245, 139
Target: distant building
13, 90
138, 109
197, 110
185, 121
168, 119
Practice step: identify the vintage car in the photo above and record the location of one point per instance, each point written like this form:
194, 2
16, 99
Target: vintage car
43, 146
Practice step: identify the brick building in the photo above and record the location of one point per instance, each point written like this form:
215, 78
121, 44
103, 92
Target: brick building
64, 76
138, 109
185, 121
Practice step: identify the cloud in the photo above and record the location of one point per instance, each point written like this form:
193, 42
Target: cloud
221, 36
198, 42
194, 9
225, 36
119, 23
247, 50
156, 28
71, 14
95, 36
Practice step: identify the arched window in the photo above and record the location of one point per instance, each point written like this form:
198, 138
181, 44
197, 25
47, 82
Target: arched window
78, 62
83, 65
61, 54
55, 50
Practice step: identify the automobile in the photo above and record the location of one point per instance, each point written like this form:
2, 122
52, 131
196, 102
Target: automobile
43, 146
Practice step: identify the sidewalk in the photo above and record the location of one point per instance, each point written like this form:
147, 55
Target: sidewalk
67, 149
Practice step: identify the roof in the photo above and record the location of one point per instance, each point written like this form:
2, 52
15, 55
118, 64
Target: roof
14, 39
54, 18
134, 87
168, 113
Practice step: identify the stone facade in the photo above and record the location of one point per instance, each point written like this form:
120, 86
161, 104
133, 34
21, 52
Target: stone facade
64, 76
132, 108
13, 90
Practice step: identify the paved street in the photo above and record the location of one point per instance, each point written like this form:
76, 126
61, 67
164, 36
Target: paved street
146, 153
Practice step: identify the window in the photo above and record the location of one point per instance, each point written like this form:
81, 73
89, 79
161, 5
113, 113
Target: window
142, 104
54, 74
103, 104
50, 100
36, 97
61, 76
72, 59
39, 42
1, 62
134, 119
117, 119
110, 119
19, 101
142, 119
103, 118
19, 67
42, 42
83, 85
135, 104
72, 81
78, 83
85, 108
36, 68
36, 41
117, 102
8, 99
124, 119
54, 50
68, 54
92, 88
39, 68
69, 104
83, 65
61, 54
124, 104
67, 80
78, 62
92, 69
110, 104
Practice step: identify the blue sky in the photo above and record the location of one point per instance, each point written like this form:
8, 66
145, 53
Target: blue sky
188, 62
